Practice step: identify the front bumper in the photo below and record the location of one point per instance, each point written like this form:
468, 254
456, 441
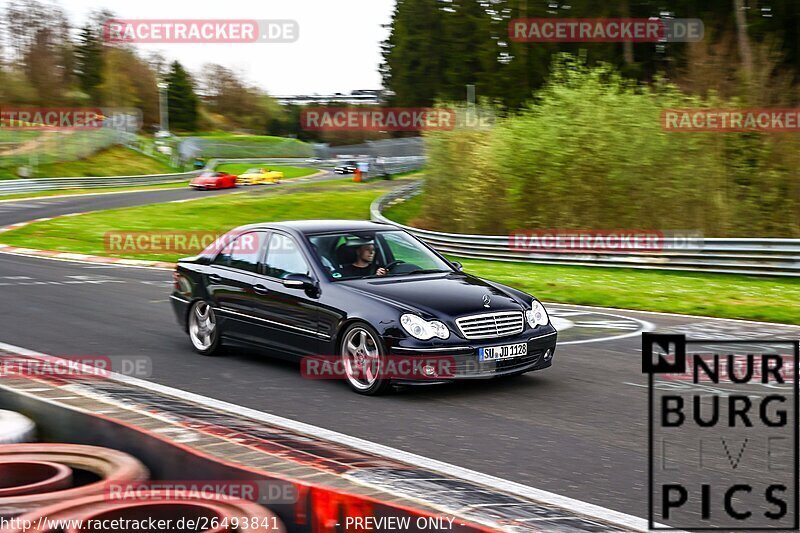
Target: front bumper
461, 357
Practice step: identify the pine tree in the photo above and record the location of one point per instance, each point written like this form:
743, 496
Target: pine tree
182, 101
413, 54
89, 61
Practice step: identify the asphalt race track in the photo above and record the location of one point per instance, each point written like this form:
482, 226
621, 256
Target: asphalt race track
577, 429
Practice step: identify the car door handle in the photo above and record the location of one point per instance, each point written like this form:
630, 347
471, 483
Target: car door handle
214, 278
260, 289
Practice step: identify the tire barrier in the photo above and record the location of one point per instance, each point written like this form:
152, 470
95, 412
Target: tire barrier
16, 428
199, 512
18, 478
37, 474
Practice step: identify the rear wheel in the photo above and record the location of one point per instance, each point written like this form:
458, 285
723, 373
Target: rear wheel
203, 329
363, 360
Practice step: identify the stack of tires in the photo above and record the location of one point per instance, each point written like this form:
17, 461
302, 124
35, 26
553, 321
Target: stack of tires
41, 483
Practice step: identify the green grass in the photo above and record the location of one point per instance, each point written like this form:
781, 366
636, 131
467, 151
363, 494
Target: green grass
115, 161
232, 145
721, 295
84, 233
288, 172
405, 212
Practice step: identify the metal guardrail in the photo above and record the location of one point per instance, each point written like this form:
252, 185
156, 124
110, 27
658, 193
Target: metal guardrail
378, 166
749, 256
54, 184
390, 166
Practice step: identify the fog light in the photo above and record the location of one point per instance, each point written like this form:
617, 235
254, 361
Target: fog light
547, 355
429, 370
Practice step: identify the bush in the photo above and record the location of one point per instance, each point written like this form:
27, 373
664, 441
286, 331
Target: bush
591, 153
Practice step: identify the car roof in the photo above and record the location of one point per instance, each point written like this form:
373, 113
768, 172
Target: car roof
321, 226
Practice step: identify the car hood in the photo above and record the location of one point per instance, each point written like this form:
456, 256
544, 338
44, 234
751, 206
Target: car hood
446, 296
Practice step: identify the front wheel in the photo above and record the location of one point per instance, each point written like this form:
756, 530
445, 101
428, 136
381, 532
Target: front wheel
364, 360
203, 329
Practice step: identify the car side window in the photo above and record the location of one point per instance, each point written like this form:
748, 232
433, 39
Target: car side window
223, 258
284, 257
242, 253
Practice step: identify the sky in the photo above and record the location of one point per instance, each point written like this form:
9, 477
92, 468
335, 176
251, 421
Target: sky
338, 49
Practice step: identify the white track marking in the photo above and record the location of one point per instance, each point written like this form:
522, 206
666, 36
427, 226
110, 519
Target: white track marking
645, 326
80, 262
511, 487
688, 317
57, 196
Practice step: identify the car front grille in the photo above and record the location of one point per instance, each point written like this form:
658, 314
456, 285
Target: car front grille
490, 325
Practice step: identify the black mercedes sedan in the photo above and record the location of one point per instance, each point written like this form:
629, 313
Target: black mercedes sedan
362, 301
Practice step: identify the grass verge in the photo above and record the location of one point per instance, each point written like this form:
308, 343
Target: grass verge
115, 161
85, 233
288, 172
721, 295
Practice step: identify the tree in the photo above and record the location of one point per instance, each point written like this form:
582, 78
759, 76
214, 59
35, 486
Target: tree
89, 61
240, 105
413, 67
181, 99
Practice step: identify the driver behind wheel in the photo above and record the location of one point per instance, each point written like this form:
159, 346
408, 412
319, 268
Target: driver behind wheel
364, 264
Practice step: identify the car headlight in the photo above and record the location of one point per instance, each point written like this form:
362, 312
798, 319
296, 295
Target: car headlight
537, 316
422, 329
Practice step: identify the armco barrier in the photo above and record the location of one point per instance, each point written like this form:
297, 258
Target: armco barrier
56, 184
392, 166
378, 166
759, 257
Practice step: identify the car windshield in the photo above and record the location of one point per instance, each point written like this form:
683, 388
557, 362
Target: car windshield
209, 175
366, 254
253, 171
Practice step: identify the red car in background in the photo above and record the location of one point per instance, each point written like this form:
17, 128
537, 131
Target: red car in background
213, 180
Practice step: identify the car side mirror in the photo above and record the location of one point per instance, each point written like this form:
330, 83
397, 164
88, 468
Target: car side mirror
458, 265
298, 281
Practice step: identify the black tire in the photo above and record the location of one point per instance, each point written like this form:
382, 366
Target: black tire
203, 329
365, 387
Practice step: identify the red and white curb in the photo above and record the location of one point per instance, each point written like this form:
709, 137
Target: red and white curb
72, 256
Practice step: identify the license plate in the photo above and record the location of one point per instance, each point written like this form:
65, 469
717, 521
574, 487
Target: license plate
497, 353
